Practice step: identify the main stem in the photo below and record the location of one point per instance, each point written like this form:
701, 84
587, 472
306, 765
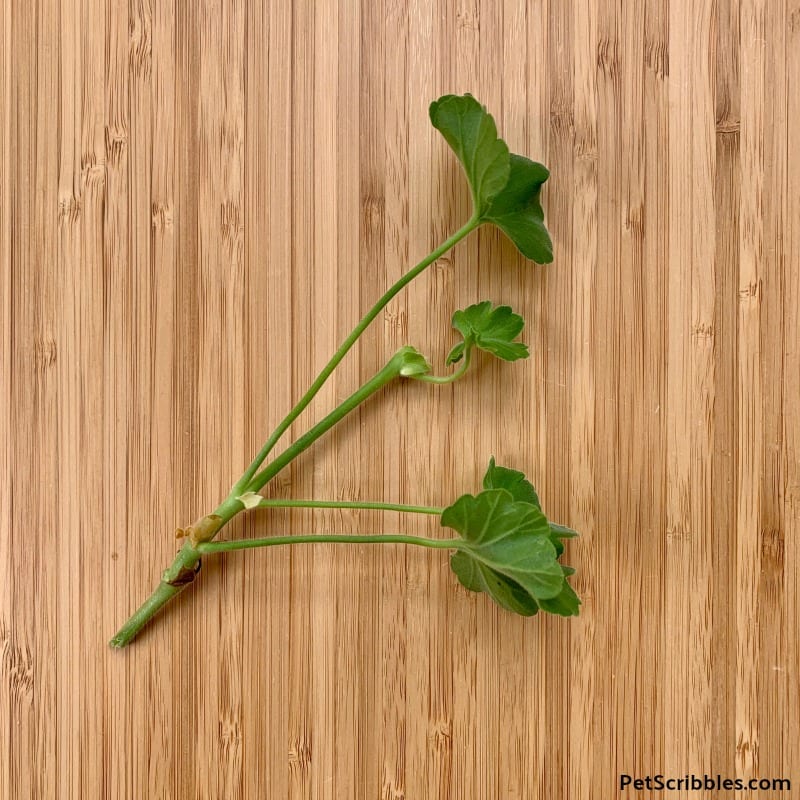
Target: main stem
183, 569
174, 580
177, 576
323, 376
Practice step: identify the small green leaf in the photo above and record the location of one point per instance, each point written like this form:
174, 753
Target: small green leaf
489, 329
509, 538
516, 210
471, 133
513, 481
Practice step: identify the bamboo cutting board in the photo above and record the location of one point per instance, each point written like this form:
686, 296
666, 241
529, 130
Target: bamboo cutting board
198, 200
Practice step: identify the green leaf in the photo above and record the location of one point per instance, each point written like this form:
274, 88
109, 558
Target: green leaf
558, 533
509, 538
505, 186
513, 481
566, 603
471, 133
522, 489
477, 577
489, 329
516, 210
511, 549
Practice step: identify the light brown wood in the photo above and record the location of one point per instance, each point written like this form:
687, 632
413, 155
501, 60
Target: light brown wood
198, 201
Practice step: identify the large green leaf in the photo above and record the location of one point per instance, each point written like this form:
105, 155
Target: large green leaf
471, 133
505, 186
510, 549
490, 329
516, 210
508, 537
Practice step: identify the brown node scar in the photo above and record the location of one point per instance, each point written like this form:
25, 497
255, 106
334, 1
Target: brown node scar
185, 576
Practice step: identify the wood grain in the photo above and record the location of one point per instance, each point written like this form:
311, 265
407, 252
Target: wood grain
198, 201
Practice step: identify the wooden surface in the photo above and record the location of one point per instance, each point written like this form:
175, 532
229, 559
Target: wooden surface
197, 202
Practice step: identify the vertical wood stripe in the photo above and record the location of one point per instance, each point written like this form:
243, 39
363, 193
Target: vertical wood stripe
197, 203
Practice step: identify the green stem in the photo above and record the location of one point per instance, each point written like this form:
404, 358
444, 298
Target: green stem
389, 538
323, 376
386, 375
279, 503
174, 580
188, 558
453, 376
157, 600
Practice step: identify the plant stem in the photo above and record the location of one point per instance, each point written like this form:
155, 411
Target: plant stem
389, 538
279, 503
188, 557
187, 561
323, 376
157, 600
384, 376
453, 376
174, 580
